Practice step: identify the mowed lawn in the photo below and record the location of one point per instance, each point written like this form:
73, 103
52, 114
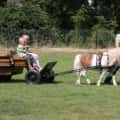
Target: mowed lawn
62, 100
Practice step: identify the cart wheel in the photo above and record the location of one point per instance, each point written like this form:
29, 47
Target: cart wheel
52, 76
32, 77
47, 77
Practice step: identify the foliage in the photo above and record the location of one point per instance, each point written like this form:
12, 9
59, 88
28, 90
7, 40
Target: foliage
59, 22
14, 21
102, 37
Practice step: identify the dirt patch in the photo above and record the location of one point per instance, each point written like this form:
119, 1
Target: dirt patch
67, 50
54, 49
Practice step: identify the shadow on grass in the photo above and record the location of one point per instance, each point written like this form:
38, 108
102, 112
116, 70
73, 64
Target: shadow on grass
12, 81
118, 83
23, 81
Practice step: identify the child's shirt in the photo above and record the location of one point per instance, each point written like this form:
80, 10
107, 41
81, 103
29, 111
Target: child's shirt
21, 51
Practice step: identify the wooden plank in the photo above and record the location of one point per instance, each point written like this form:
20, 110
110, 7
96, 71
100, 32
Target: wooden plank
4, 56
18, 58
5, 64
20, 63
5, 71
4, 60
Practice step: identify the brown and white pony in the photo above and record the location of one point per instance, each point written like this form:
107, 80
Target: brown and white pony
84, 61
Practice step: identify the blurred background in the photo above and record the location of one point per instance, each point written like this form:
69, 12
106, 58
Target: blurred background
76, 23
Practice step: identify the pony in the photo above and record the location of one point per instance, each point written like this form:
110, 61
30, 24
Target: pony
82, 62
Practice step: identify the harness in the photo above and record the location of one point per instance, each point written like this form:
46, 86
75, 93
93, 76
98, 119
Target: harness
99, 60
107, 59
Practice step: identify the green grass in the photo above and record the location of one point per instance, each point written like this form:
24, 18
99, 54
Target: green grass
60, 101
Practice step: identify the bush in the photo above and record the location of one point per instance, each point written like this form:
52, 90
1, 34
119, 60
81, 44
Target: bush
58, 24
102, 37
15, 20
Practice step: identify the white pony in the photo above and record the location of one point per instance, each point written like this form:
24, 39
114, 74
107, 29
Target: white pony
84, 61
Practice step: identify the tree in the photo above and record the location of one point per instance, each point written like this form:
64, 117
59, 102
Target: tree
3, 3
64, 21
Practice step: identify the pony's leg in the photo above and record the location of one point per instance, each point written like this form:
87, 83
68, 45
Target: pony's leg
77, 82
101, 77
78, 78
84, 74
114, 81
88, 81
77, 67
79, 74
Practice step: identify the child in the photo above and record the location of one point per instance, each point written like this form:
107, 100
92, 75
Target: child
22, 51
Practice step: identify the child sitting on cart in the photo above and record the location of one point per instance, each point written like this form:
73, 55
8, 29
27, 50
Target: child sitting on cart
22, 51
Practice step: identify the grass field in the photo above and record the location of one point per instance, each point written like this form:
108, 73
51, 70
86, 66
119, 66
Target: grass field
62, 100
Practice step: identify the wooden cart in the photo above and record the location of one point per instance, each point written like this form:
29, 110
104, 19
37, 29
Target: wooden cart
11, 66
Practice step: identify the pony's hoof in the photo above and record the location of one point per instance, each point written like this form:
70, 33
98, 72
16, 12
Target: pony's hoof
115, 85
77, 82
98, 85
88, 82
